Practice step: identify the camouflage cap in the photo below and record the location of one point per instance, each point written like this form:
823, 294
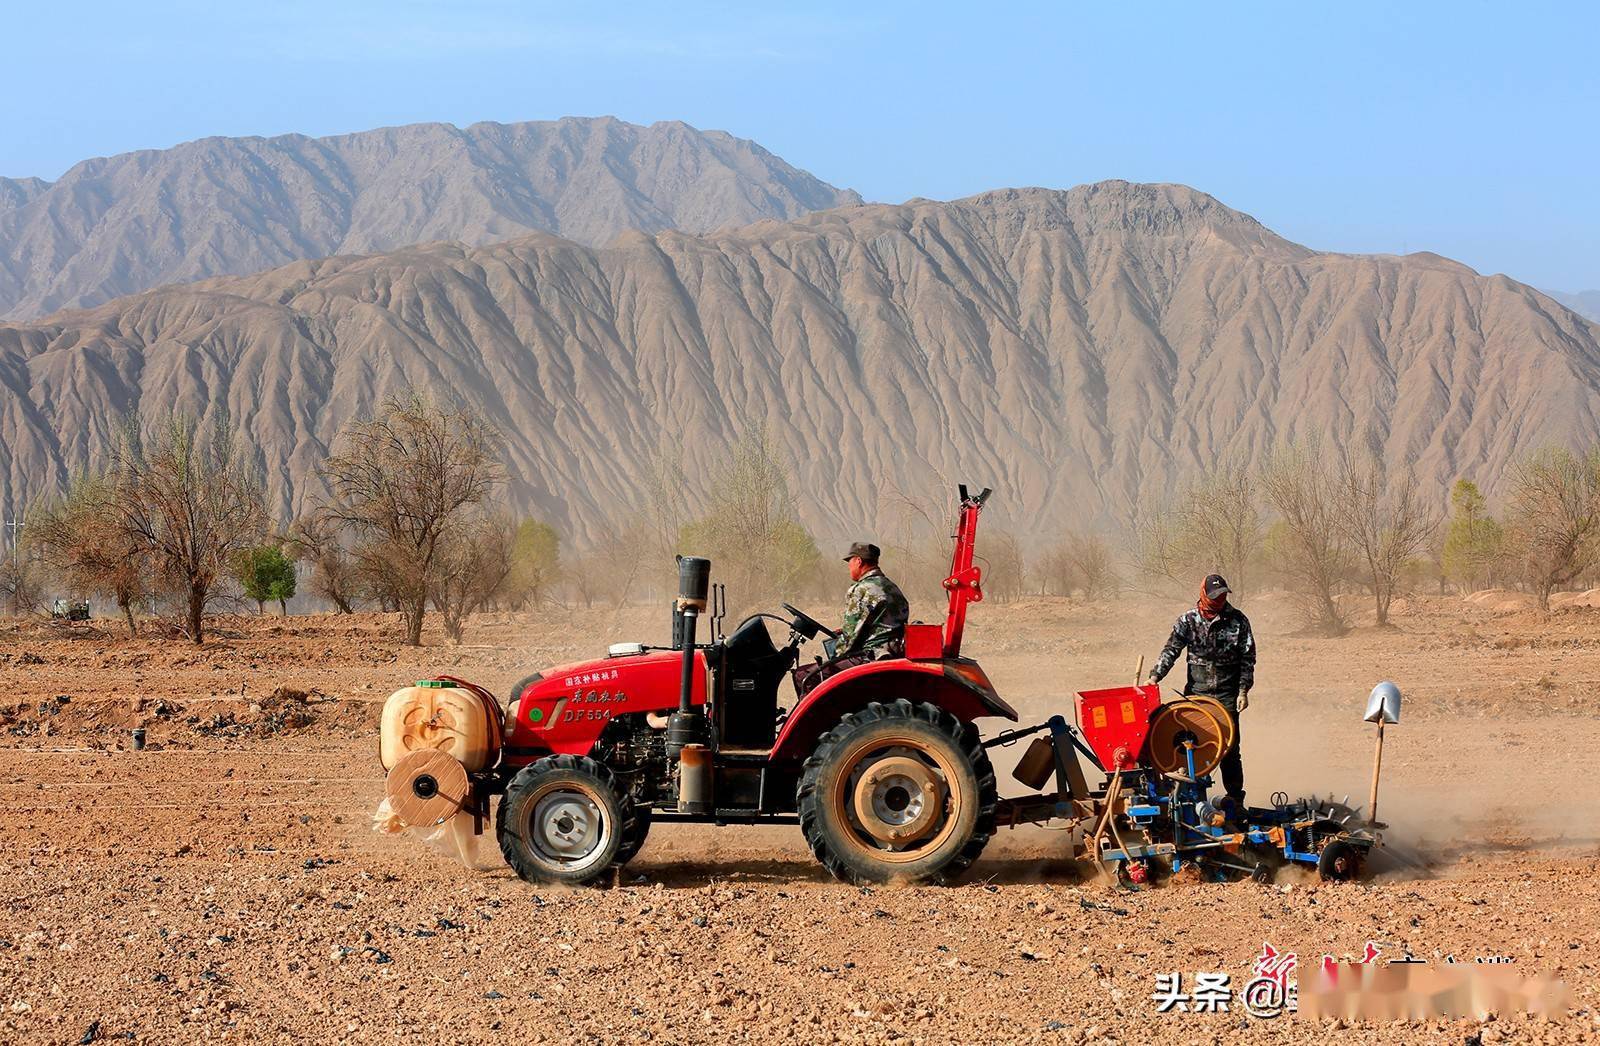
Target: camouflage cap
868, 552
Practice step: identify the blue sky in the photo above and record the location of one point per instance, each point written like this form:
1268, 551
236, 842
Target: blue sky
1463, 128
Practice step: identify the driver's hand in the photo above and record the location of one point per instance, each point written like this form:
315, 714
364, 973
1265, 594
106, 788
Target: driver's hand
1152, 678
1244, 700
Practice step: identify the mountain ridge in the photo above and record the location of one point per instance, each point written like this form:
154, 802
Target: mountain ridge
1584, 303
1080, 350
229, 206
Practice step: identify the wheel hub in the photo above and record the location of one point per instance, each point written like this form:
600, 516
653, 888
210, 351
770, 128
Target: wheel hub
567, 827
898, 800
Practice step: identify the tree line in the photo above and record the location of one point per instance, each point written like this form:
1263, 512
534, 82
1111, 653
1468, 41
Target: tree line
409, 525
178, 520
178, 523
1319, 522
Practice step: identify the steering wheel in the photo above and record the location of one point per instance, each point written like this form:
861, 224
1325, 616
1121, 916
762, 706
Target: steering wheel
807, 625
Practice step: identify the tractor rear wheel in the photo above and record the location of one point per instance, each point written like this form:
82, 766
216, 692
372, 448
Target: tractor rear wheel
898, 791
562, 820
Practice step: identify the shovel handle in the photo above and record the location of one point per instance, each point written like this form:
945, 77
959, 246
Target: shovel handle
1377, 767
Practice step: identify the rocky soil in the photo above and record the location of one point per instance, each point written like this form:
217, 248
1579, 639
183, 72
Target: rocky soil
224, 883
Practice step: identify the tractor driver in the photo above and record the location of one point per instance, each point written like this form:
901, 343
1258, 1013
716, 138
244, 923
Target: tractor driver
875, 610
1222, 664
875, 616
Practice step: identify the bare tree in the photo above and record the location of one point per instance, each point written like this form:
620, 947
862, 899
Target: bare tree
1387, 520
1003, 566
80, 539
918, 534
335, 574
1307, 542
659, 524
750, 528
581, 583
19, 582
189, 502
1553, 518
1079, 563
1093, 565
401, 482
471, 568
612, 568
918, 537
1213, 525
1053, 571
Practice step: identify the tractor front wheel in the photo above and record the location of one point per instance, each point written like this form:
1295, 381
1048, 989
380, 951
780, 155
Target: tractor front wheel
898, 791
633, 835
562, 820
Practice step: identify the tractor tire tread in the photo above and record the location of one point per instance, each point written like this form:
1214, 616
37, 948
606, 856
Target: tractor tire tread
568, 764
966, 738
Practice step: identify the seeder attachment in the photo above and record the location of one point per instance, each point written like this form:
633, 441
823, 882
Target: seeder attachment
1153, 816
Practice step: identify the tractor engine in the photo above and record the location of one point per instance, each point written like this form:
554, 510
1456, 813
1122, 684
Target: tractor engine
636, 752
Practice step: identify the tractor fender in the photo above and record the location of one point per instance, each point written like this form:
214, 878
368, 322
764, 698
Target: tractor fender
956, 685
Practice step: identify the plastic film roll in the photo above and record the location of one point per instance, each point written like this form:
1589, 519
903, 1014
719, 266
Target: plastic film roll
1175, 726
426, 787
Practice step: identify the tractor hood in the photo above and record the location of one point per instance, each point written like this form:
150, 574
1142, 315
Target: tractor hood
564, 709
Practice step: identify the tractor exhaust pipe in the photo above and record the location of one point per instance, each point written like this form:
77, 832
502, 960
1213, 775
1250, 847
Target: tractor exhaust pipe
688, 731
694, 586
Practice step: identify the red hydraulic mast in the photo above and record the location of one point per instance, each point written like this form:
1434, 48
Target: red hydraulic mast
965, 583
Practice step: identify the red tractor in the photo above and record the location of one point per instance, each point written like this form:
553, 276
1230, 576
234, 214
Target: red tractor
880, 764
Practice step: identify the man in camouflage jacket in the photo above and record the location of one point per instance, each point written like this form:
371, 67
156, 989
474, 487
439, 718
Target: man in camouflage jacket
875, 610
1222, 664
875, 615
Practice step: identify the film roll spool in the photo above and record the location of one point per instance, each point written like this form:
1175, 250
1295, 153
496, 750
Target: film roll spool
1200, 721
1220, 713
426, 787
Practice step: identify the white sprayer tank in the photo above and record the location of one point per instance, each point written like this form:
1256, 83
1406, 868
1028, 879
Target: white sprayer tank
440, 716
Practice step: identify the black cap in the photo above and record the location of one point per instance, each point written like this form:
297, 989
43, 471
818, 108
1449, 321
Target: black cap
1215, 585
866, 550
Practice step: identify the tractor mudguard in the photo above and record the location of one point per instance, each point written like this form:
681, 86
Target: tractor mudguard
956, 685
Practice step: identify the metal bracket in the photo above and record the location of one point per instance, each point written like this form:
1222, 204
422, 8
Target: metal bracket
1059, 728
1007, 738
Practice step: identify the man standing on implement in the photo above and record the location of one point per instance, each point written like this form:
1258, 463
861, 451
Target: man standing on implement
1222, 664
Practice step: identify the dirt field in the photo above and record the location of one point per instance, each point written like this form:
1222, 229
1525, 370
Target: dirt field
225, 883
